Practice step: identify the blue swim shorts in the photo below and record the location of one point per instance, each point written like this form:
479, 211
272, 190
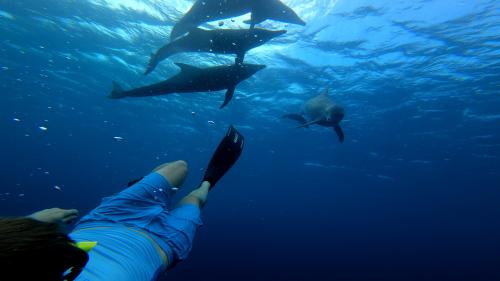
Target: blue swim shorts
146, 205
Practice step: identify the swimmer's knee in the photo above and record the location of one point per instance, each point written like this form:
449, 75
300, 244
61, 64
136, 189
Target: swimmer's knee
180, 164
174, 172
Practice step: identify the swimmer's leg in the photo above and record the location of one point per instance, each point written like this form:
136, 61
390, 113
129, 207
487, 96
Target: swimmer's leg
142, 201
174, 172
197, 197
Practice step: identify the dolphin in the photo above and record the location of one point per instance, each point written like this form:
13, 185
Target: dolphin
193, 79
321, 110
221, 41
204, 11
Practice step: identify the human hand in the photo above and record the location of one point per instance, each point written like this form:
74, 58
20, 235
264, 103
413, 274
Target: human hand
55, 215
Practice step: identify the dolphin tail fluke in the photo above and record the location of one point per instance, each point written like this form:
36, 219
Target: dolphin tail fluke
228, 97
297, 117
160, 55
276, 10
117, 92
339, 132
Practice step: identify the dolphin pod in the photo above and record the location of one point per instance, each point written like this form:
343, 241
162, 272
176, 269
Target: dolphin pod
204, 11
221, 41
321, 110
187, 37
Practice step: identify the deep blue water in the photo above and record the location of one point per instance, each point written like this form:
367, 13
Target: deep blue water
412, 194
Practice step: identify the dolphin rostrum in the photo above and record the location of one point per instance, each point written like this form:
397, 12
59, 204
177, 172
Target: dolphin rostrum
193, 79
204, 11
321, 110
221, 41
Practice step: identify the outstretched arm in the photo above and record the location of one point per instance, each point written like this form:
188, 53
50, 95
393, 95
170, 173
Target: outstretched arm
55, 215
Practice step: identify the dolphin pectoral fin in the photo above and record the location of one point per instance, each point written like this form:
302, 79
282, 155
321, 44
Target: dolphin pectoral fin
256, 18
306, 125
239, 58
251, 23
339, 132
229, 96
151, 64
297, 117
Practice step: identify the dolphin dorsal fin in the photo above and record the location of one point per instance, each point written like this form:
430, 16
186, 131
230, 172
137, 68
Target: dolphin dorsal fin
325, 91
186, 67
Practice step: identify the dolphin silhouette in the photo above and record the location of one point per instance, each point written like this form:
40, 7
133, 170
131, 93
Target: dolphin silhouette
193, 79
204, 11
321, 110
221, 41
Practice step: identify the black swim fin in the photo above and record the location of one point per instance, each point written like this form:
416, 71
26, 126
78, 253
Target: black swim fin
226, 154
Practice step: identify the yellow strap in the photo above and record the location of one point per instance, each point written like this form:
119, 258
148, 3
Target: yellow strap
163, 256
87, 246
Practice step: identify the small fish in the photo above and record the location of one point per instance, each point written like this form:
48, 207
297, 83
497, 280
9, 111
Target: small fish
118, 138
193, 113
56, 187
17, 120
43, 128
211, 122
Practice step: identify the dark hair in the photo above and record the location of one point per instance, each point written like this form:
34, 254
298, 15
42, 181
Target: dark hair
34, 250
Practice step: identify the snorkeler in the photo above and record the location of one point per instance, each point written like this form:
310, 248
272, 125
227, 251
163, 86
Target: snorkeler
135, 234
